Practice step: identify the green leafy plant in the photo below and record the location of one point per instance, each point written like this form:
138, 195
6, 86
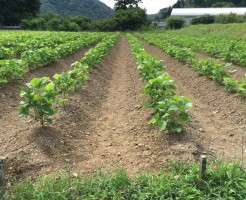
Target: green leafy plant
171, 110
236, 85
213, 69
11, 69
171, 113
70, 81
40, 100
41, 97
29, 50
174, 22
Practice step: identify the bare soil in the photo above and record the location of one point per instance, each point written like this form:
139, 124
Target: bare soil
105, 126
218, 117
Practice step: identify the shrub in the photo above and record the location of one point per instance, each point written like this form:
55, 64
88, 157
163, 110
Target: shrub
175, 22
67, 25
39, 100
204, 19
34, 24
230, 18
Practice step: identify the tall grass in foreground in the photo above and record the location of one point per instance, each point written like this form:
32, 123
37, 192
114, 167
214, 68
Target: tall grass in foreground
177, 181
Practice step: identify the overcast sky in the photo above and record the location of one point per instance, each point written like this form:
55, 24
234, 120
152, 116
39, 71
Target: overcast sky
152, 6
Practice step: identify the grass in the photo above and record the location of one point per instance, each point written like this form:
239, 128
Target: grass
177, 181
234, 31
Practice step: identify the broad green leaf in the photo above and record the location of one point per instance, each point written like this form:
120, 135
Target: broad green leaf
35, 82
163, 125
50, 86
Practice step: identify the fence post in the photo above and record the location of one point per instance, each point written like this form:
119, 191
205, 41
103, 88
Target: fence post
3, 169
203, 166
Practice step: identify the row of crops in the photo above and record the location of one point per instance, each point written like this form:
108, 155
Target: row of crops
25, 51
171, 110
212, 68
230, 50
21, 52
42, 96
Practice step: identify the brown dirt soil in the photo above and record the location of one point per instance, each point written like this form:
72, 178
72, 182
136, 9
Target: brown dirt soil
9, 93
218, 117
104, 125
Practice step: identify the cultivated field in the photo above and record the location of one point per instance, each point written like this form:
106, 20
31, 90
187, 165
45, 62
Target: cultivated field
196, 101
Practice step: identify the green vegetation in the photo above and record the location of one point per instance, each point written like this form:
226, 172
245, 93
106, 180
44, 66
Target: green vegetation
42, 96
230, 18
93, 9
214, 69
178, 180
124, 4
131, 18
232, 31
230, 50
236, 85
23, 51
209, 3
204, 19
175, 22
13, 11
39, 100
171, 110
222, 19
136, 18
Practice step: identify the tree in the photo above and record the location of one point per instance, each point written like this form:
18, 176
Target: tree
165, 12
124, 4
174, 22
130, 18
13, 11
222, 4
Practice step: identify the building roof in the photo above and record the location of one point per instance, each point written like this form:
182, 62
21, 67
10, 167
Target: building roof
203, 11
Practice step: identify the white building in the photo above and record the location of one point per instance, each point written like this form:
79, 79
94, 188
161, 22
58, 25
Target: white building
189, 13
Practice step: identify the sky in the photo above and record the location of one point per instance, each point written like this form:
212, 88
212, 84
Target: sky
152, 6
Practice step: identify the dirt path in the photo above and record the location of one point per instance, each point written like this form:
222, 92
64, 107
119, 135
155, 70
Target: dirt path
219, 117
105, 126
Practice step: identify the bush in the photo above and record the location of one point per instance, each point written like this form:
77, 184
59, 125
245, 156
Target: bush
57, 24
204, 19
34, 24
175, 22
68, 26
230, 18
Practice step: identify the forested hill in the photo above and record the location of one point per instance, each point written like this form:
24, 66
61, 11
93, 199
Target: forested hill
93, 9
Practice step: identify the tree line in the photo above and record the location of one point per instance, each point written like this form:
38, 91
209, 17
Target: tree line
127, 16
13, 11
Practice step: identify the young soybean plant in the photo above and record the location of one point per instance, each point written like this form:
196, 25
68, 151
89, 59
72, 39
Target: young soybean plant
40, 100
70, 81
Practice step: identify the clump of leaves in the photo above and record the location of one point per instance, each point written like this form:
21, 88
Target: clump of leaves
213, 69
236, 85
171, 110
70, 81
11, 69
40, 100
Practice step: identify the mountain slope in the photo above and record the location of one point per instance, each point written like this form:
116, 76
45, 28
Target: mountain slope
93, 9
